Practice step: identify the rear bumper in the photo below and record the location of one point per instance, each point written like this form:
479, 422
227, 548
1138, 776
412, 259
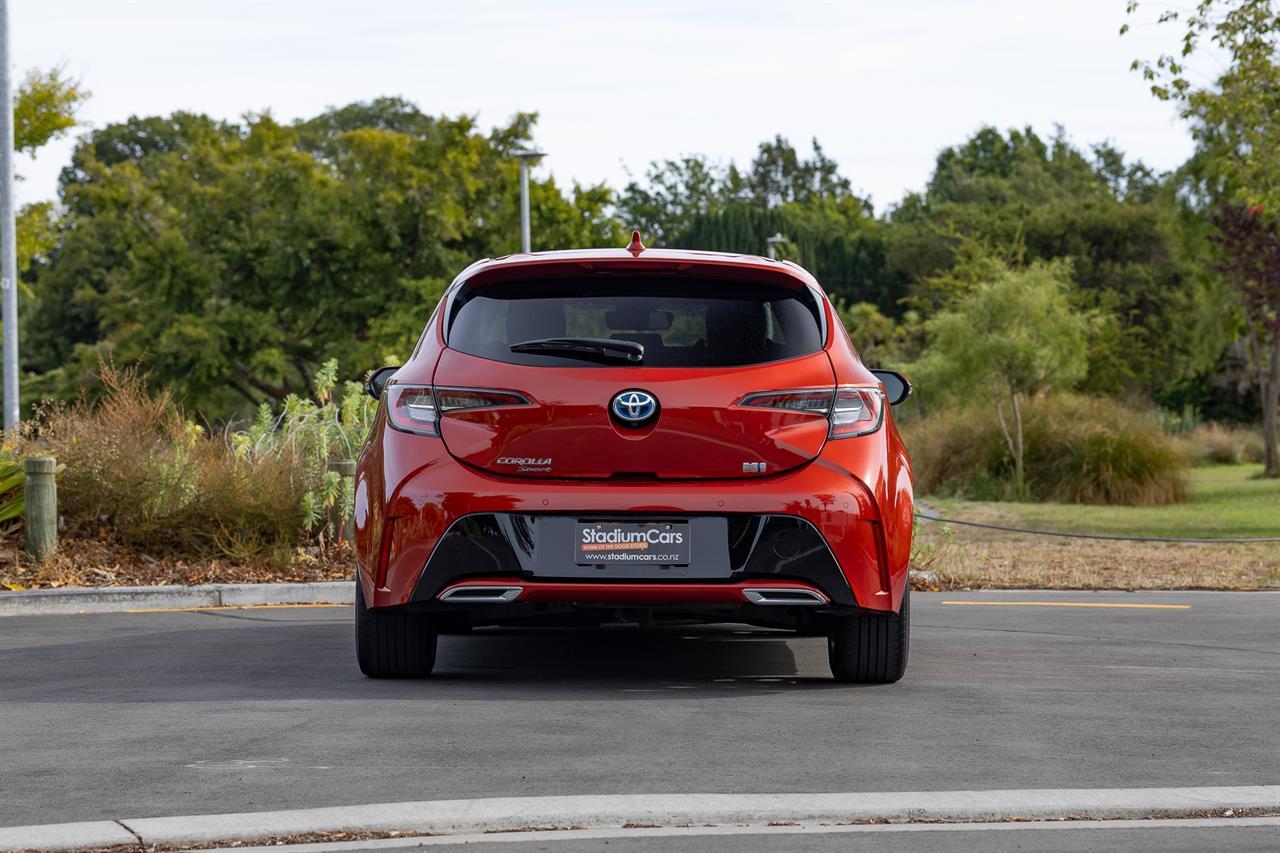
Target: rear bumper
780, 593
730, 554
404, 555
516, 600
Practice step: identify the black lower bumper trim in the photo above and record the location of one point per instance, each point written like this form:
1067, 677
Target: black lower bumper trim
728, 548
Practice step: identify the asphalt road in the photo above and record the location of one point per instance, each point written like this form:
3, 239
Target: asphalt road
154, 714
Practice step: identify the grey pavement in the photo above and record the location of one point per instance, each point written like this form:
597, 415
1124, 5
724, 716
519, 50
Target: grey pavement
153, 714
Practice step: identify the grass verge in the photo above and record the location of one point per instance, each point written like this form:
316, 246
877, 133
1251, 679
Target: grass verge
1224, 501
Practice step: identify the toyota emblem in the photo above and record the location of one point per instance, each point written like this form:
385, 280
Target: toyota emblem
634, 408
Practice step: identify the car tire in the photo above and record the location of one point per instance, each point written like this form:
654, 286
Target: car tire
393, 644
870, 648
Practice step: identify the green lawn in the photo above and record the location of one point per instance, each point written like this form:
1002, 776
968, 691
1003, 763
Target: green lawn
1225, 501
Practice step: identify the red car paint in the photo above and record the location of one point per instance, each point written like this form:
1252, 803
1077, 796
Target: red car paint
855, 491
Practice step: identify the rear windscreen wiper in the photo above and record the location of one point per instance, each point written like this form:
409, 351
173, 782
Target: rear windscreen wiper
606, 348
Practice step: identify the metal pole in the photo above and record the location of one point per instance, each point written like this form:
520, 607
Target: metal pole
8, 236
771, 245
525, 243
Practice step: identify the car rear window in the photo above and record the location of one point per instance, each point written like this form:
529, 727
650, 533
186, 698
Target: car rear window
689, 324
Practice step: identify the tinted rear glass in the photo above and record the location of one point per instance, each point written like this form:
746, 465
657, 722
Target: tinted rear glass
692, 324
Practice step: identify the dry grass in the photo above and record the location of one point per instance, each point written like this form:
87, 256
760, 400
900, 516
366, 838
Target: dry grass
1216, 444
133, 464
969, 558
1226, 501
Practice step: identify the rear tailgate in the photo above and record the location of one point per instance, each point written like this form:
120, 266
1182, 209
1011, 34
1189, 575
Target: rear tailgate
699, 431
708, 344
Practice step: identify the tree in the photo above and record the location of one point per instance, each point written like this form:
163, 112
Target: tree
1136, 257
1251, 257
1015, 335
1236, 122
780, 176
881, 341
693, 203
232, 261
43, 109
677, 194
673, 194
837, 241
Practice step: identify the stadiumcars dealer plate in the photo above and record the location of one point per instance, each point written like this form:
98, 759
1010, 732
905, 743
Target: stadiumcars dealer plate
665, 543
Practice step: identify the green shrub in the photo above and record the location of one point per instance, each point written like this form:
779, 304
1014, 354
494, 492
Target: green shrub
1078, 450
13, 495
134, 466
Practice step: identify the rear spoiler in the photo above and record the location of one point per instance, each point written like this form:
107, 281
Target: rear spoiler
715, 265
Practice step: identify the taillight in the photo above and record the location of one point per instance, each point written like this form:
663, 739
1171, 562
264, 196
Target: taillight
451, 399
412, 408
857, 411
849, 411
417, 408
815, 400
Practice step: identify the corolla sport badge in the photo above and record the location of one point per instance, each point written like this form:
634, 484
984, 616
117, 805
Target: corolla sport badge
634, 408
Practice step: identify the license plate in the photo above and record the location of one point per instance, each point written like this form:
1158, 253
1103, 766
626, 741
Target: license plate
664, 543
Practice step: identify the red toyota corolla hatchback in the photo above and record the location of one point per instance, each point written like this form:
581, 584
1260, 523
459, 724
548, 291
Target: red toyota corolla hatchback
634, 435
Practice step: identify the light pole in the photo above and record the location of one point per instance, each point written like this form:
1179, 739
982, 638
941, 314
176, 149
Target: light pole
771, 243
524, 157
8, 238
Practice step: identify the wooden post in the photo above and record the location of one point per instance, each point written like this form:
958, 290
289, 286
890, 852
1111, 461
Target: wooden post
338, 526
41, 506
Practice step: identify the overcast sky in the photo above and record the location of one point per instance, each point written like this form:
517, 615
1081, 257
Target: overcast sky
883, 86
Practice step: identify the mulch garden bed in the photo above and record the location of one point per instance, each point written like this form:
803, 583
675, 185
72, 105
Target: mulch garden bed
97, 560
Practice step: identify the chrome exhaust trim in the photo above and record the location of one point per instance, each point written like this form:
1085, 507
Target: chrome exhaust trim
789, 597
477, 594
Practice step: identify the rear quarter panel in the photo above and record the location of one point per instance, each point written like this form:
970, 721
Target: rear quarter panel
879, 460
378, 473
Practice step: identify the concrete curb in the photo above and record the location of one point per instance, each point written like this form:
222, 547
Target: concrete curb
118, 599
45, 602
448, 817
66, 836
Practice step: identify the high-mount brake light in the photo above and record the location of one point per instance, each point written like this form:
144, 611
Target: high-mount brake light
850, 411
417, 408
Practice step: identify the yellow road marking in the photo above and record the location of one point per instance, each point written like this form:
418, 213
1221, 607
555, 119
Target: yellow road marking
230, 607
1070, 604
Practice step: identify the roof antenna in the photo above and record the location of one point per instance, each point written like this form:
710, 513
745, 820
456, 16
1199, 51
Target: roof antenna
636, 247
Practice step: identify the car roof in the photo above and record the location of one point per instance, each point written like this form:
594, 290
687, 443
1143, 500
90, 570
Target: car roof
680, 261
